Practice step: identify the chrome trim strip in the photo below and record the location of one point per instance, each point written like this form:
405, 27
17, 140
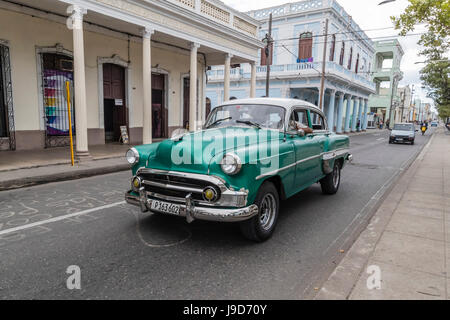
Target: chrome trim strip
334, 153
171, 186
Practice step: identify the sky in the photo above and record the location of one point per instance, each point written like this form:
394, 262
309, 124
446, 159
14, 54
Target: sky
368, 15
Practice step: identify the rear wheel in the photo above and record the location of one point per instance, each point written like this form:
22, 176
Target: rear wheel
330, 184
261, 227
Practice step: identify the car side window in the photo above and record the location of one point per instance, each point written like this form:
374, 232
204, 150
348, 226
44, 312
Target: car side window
298, 116
318, 123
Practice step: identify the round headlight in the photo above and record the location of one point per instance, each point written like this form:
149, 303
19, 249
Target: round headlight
132, 156
231, 164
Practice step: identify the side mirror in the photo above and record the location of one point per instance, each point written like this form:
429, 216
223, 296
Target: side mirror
301, 133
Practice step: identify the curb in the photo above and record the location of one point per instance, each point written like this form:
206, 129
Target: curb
340, 284
63, 176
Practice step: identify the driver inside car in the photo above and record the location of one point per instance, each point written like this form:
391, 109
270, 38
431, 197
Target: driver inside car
297, 126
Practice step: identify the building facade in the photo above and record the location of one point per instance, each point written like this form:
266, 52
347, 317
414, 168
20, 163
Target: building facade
128, 63
387, 75
296, 62
404, 106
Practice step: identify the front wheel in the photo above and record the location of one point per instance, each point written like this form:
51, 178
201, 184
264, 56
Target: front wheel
261, 227
330, 184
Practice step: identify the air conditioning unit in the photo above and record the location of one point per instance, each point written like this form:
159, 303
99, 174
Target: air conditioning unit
66, 65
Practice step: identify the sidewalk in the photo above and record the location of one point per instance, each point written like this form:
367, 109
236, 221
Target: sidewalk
407, 240
26, 168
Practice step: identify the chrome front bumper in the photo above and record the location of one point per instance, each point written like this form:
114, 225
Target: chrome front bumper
191, 212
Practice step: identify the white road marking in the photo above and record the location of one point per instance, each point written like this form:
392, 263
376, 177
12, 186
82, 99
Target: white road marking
379, 139
56, 219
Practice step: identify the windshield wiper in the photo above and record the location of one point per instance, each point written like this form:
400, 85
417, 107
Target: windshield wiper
219, 120
250, 123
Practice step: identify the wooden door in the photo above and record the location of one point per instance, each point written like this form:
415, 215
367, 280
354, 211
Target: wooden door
186, 95
114, 91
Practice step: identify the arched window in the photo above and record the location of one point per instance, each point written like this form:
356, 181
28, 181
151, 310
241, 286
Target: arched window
333, 47
349, 67
341, 58
305, 46
357, 63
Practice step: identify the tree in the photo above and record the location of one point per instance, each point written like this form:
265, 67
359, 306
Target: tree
435, 14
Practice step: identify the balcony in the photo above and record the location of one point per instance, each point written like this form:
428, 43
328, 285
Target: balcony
217, 11
307, 69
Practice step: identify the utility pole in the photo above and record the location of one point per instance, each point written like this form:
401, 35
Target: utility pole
322, 82
268, 53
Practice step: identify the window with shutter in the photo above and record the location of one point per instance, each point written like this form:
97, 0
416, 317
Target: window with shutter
264, 59
341, 58
357, 63
349, 67
305, 46
333, 47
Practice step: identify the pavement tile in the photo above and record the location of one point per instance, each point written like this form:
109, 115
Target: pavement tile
421, 212
417, 226
428, 197
413, 252
418, 203
400, 283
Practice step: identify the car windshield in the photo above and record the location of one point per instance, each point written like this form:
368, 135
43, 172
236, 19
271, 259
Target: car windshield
259, 116
404, 127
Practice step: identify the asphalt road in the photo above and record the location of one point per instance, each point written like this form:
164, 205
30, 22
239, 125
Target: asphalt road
125, 254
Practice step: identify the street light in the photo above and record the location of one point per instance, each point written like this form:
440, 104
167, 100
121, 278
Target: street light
386, 1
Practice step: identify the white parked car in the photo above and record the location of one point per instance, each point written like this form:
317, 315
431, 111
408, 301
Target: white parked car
403, 132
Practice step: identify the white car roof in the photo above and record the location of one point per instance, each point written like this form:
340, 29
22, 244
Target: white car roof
286, 103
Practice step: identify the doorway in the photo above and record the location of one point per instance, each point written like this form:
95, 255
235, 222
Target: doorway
57, 70
159, 111
3, 107
115, 109
186, 99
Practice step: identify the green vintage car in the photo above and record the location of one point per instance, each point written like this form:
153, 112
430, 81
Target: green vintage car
250, 154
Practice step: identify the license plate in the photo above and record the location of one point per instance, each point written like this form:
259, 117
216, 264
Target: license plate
165, 207
399, 139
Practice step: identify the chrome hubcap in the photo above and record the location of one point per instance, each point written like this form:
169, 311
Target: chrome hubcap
267, 211
336, 176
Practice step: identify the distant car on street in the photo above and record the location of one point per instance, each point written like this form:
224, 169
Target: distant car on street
434, 124
403, 132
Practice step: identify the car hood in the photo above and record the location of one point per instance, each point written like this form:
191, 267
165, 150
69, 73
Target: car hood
194, 151
402, 133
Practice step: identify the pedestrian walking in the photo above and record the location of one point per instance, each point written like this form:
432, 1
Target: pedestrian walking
387, 123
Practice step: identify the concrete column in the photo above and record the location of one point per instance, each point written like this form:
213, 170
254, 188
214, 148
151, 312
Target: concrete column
361, 113
147, 85
358, 117
347, 114
339, 128
330, 114
253, 81
366, 110
355, 113
226, 80
75, 22
193, 88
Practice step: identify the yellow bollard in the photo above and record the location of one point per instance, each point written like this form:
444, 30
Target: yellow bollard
70, 121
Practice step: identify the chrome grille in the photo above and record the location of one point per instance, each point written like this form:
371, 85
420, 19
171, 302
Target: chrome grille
175, 186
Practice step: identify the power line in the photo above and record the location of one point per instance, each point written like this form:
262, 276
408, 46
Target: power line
351, 40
